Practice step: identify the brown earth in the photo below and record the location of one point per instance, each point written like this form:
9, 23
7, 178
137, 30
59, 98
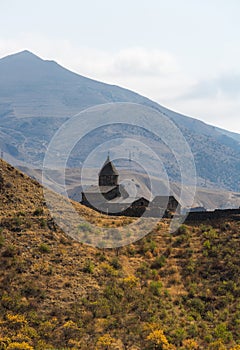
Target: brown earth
166, 291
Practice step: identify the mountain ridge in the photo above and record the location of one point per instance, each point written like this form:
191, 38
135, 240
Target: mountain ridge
38, 98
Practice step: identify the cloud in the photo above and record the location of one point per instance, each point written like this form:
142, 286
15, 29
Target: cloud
129, 62
140, 61
153, 73
216, 109
226, 84
215, 101
150, 72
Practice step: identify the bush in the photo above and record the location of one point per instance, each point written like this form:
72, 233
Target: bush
16, 321
2, 240
130, 281
89, 267
43, 223
4, 341
105, 341
38, 211
182, 230
155, 288
19, 346
157, 339
108, 270
190, 344
221, 332
10, 251
159, 262
32, 290
44, 248
116, 263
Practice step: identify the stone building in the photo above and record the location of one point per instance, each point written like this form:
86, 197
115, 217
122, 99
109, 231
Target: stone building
97, 197
108, 175
168, 202
111, 198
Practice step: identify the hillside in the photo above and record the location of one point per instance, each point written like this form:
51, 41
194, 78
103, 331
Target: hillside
38, 96
167, 291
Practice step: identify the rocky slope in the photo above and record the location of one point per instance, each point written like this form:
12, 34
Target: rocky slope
167, 291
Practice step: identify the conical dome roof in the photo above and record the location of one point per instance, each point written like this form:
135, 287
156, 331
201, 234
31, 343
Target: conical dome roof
108, 168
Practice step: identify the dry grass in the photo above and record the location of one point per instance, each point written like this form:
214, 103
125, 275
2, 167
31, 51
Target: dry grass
69, 295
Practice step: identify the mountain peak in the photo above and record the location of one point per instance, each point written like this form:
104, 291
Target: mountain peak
25, 54
24, 68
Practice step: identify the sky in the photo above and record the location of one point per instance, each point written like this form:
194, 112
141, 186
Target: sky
183, 54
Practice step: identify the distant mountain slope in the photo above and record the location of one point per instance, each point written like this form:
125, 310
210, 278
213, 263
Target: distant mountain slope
205, 197
37, 96
230, 134
32, 87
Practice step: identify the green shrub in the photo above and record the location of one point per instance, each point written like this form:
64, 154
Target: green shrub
159, 262
32, 290
89, 266
43, 223
44, 248
155, 288
182, 230
116, 263
221, 332
2, 240
38, 211
10, 251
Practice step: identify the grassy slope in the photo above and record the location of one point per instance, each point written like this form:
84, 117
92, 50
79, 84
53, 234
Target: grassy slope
163, 292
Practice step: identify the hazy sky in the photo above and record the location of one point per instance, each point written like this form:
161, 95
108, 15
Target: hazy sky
183, 54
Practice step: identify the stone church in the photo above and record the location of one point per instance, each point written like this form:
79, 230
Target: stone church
107, 189
111, 198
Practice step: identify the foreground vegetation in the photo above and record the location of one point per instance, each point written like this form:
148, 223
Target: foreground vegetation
164, 292
167, 291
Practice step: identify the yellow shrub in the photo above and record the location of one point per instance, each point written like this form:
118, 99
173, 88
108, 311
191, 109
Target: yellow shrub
41, 344
70, 324
74, 344
21, 338
105, 340
29, 331
108, 269
70, 329
16, 321
158, 338
16, 318
190, 344
19, 346
130, 281
217, 345
151, 326
4, 341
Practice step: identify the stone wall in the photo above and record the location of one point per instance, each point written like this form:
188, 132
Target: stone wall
213, 215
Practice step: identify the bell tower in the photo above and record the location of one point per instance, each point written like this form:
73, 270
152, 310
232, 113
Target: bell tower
108, 175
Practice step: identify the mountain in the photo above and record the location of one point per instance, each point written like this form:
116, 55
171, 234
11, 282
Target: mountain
37, 96
36, 88
172, 291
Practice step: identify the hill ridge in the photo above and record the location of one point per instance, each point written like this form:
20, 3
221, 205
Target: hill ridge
37, 99
179, 289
